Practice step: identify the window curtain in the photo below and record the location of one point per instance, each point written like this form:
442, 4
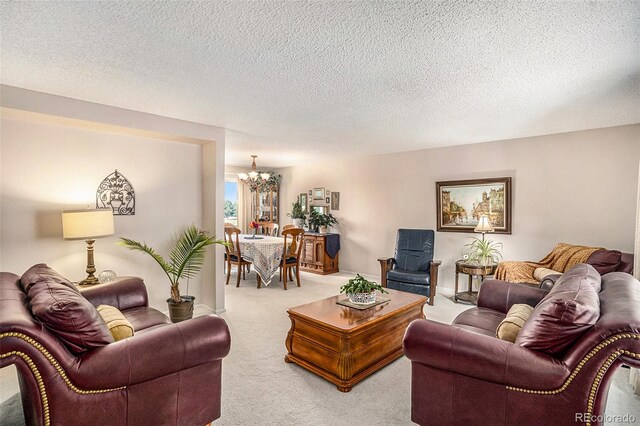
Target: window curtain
244, 206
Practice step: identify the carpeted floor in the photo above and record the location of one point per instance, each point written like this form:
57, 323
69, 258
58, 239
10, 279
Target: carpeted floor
259, 388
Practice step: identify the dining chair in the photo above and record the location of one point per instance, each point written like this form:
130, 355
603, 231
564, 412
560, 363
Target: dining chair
269, 228
291, 254
284, 228
232, 254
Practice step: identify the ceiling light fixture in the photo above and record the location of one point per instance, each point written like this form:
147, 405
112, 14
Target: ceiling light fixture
253, 174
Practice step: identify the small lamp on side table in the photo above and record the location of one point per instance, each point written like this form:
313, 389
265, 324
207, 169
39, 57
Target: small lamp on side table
484, 226
87, 225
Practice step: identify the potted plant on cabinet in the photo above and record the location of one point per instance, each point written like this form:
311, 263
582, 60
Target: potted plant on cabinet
319, 222
361, 291
297, 214
185, 261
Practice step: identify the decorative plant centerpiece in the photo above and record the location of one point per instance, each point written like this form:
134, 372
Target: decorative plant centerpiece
185, 261
484, 252
253, 225
297, 214
320, 221
360, 290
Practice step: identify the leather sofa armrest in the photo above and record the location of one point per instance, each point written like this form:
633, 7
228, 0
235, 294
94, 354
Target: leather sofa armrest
123, 293
453, 349
153, 354
549, 281
501, 295
385, 265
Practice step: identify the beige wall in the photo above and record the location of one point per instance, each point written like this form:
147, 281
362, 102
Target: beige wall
55, 151
48, 168
575, 187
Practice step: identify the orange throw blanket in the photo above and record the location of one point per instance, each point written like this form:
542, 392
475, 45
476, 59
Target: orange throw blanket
562, 257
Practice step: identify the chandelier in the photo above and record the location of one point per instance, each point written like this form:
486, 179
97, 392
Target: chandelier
252, 176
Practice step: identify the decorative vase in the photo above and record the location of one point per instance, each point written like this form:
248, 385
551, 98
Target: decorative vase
254, 232
323, 229
181, 311
362, 298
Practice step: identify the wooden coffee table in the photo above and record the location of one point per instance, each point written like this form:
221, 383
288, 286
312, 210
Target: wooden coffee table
345, 345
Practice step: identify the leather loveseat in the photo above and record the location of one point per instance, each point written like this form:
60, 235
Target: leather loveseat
164, 374
463, 375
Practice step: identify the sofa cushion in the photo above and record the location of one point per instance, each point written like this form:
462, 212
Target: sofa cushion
480, 320
605, 261
510, 326
60, 307
541, 273
565, 313
144, 318
119, 327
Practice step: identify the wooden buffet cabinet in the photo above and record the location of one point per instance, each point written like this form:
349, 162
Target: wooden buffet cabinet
314, 257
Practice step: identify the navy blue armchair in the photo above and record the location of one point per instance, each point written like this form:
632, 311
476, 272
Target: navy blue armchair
412, 268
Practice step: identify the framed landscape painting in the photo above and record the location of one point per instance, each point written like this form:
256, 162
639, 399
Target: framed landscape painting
461, 203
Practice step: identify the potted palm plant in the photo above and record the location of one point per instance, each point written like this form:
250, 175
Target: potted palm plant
185, 261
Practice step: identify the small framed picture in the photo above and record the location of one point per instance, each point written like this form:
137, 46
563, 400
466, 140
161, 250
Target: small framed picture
310, 193
303, 202
328, 193
326, 200
318, 193
335, 201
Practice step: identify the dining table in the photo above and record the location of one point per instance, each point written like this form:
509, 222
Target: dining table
265, 252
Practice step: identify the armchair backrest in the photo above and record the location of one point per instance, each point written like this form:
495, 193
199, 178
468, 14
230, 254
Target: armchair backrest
294, 248
626, 263
231, 236
619, 315
414, 249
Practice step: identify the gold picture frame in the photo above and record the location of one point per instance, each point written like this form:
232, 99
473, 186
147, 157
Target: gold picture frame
460, 204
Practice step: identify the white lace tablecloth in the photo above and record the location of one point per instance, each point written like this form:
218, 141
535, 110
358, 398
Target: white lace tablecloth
265, 254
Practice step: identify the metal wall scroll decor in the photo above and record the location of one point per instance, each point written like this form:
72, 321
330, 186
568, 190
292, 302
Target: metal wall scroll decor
116, 192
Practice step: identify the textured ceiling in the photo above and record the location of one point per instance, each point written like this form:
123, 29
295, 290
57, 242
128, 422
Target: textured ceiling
296, 82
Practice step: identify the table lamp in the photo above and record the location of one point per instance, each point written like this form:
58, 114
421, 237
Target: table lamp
484, 226
87, 225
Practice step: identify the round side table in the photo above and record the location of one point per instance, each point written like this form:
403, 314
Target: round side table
471, 269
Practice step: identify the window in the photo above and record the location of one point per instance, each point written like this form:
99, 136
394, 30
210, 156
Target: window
231, 202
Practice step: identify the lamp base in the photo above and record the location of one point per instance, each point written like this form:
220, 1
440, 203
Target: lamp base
90, 280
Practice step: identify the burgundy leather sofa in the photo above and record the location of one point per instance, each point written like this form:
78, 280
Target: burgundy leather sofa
164, 374
625, 265
463, 375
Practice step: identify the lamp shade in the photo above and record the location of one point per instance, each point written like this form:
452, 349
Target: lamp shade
87, 224
484, 225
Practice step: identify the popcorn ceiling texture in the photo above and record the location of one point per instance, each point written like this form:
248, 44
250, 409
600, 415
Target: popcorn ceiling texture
297, 81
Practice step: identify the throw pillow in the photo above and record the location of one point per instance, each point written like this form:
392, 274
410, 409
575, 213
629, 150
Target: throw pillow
60, 307
605, 261
510, 326
118, 325
565, 313
541, 273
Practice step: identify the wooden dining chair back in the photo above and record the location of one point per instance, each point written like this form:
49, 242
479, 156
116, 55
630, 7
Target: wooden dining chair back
291, 255
232, 254
269, 228
284, 228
